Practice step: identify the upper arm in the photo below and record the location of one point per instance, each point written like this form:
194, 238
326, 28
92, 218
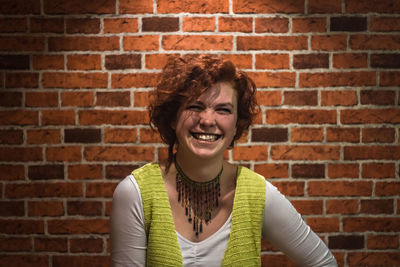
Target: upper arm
284, 228
127, 227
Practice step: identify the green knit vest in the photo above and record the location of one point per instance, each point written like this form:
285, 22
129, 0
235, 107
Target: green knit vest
244, 245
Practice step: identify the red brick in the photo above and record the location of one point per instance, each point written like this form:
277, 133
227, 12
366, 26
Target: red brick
272, 61
74, 80
384, 24
84, 43
45, 208
351, 135
334, 79
272, 25
85, 172
46, 172
79, 7
78, 99
105, 189
121, 25
271, 7
377, 206
306, 134
325, 224
20, 154
342, 206
84, 62
132, 80
20, 7
160, 24
15, 244
271, 170
257, 152
58, 117
83, 25
387, 61
81, 260
389, 79
14, 62
13, 25
47, 25
376, 241
141, 43
22, 80
156, 61
51, 244
12, 172
78, 226
320, 6
11, 208
329, 42
20, 227
290, 188
108, 213
350, 116
308, 207
187, 6
240, 61
198, 24
308, 171
377, 97
22, 43
287, 116
19, 117
64, 153
387, 189
115, 117
343, 170
120, 135
82, 135
273, 79
350, 60
119, 153
41, 99
89, 245
40, 189
119, 171
348, 242
304, 25
42, 62
375, 42
300, 98
372, 152
234, 24
378, 224
378, 135
338, 98
276, 260
339, 188
113, 62
197, 42
113, 99
378, 170
10, 99
311, 61
85, 208
373, 6
271, 43
141, 99
11, 137
26, 260
149, 136
305, 152
135, 6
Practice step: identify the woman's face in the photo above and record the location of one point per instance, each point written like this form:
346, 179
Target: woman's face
206, 126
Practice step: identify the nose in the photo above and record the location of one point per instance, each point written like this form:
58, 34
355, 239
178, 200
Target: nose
207, 118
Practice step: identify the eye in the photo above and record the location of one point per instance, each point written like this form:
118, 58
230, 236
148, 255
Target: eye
224, 111
194, 107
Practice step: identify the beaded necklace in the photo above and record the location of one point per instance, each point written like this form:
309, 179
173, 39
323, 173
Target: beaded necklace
199, 198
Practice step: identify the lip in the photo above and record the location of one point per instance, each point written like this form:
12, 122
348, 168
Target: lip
206, 137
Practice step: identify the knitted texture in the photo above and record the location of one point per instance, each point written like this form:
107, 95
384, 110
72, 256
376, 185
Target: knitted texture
162, 242
244, 245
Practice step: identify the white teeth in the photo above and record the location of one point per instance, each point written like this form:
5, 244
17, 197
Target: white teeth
206, 137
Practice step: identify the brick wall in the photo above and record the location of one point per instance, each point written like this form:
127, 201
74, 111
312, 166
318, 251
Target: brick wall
74, 79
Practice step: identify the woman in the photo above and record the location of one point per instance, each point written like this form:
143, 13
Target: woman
197, 209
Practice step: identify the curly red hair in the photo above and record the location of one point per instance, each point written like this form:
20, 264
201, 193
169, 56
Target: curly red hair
184, 79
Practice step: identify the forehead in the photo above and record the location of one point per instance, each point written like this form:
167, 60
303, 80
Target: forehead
219, 92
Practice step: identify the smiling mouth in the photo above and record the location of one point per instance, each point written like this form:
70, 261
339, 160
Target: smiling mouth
206, 137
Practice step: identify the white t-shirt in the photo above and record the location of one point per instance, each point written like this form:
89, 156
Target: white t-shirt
282, 226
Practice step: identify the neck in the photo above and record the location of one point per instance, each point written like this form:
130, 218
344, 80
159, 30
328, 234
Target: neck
199, 170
